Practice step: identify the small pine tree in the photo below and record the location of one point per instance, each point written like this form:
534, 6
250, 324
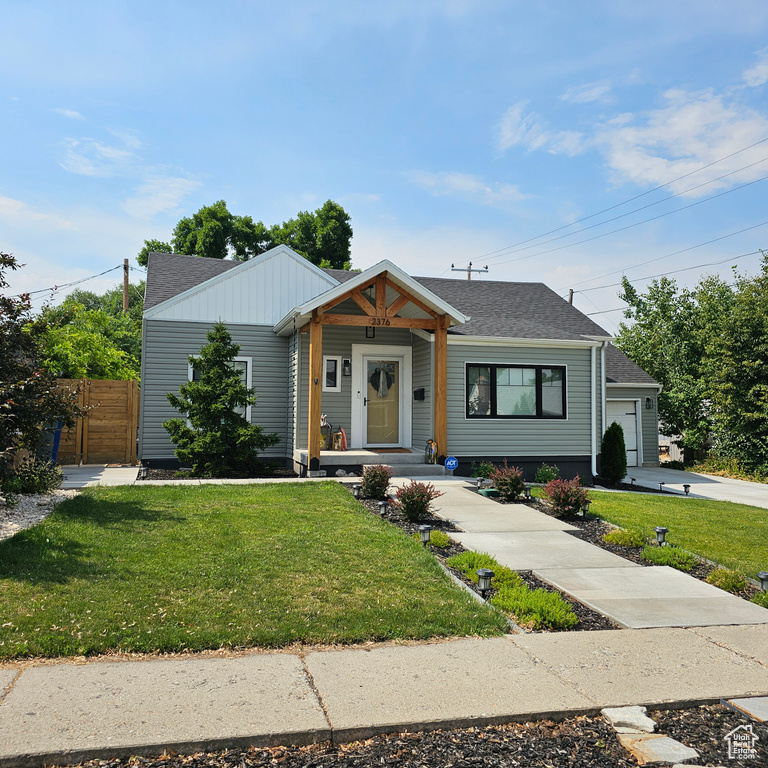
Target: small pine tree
613, 461
214, 437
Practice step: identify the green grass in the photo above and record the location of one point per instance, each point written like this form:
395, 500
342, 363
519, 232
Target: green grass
172, 568
733, 535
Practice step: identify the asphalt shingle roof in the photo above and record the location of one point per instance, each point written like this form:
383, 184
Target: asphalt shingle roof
496, 308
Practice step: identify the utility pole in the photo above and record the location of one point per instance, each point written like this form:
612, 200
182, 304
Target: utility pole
469, 270
570, 295
125, 286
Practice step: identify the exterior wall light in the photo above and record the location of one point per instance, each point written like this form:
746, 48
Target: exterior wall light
383, 507
648, 403
661, 533
356, 489
687, 488
425, 532
763, 576
527, 492
484, 576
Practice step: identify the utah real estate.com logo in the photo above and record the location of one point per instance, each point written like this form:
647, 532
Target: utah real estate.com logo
741, 743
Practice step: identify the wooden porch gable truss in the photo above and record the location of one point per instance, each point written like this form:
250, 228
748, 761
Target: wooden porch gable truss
377, 314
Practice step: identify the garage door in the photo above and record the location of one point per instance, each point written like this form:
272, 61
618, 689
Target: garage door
623, 411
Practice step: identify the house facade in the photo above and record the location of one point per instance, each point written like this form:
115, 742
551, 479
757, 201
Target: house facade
489, 370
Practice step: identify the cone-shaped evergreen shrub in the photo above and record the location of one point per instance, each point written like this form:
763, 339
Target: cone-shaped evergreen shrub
613, 461
215, 437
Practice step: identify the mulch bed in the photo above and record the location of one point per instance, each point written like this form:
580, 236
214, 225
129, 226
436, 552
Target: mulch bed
589, 620
579, 742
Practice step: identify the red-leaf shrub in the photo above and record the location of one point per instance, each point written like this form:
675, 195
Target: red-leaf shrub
567, 497
414, 499
508, 481
375, 481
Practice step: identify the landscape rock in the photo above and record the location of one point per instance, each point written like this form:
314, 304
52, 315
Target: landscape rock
648, 749
629, 719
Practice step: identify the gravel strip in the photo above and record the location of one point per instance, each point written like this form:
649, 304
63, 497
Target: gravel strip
28, 510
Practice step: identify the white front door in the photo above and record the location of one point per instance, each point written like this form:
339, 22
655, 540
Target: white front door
625, 413
381, 397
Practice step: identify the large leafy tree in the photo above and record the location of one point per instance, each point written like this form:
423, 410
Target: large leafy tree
323, 236
739, 369
30, 401
213, 435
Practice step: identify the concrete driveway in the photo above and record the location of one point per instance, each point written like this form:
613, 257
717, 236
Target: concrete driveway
98, 474
702, 486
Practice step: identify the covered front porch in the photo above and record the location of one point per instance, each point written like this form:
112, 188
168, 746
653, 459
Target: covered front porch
370, 355
404, 462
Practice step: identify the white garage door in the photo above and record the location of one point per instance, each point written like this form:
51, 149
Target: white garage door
623, 411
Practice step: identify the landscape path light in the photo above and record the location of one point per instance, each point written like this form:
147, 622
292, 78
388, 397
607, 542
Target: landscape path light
661, 485
527, 492
661, 533
484, 576
763, 576
356, 490
425, 532
585, 506
687, 488
479, 483
383, 507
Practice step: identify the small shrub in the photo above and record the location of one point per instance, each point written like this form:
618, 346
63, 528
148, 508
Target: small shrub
508, 481
468, 562
34, 476
671, 556
536, 608
613, 460
728, 580
567, 497
674, 465
375, 482
438, 539
625, 538
761, 598
414, 499
546, 474
482, 469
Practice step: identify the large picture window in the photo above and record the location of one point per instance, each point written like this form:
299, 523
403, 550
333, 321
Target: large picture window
243, 366
515, 392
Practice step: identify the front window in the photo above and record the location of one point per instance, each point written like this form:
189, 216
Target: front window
515, 391
241, 365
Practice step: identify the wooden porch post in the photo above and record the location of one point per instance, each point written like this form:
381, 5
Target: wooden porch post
441, 386
315, 389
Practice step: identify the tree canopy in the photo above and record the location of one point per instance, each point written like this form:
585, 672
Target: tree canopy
323, 236
709, 350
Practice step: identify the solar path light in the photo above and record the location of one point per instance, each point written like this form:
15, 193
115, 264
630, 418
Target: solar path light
585, 506
763, 576
527, 492
484, 576
356, 490
425, 532
661, 533
687, 488
383, 507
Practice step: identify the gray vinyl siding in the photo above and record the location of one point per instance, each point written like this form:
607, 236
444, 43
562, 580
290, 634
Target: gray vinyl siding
167, 346
293, 387
521, 437
648, 417
423, 367
338, 340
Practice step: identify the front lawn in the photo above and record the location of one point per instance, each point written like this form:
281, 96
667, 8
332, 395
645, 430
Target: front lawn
173, 568
734, 535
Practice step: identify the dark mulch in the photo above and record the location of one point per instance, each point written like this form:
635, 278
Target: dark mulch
173, 474
579, 742
589, 620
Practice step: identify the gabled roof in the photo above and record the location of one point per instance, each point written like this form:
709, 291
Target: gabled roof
619, 369
300, 315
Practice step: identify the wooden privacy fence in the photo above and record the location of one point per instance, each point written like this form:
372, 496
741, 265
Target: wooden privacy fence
107, 434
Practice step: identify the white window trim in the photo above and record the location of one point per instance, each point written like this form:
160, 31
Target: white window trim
337, 358
248, 377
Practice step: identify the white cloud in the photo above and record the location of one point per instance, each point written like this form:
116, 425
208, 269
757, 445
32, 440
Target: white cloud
518, 127
89, 157
158, 194
583, 94
20, 214
758, 74
467, 186
70, 113
692, 130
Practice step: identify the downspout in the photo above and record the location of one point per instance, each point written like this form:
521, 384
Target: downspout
602, 388
593, 407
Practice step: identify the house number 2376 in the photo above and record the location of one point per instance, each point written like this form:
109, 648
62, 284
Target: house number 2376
379, 321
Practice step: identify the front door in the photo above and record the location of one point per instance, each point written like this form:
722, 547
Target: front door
382, 402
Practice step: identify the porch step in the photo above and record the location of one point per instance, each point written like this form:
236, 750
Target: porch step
400, 469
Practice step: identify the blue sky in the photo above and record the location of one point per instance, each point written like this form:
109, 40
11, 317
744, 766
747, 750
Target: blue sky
450, 131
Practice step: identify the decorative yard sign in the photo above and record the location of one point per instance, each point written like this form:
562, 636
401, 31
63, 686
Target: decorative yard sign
451, 463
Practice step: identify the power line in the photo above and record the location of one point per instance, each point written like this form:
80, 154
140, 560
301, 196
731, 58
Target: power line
57, 288
624, 202
636, 224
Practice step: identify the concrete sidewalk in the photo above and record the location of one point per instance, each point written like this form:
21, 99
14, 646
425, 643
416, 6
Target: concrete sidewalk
89, 475
633, 596
71, 711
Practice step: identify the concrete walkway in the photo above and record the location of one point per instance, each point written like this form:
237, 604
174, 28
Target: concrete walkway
98, 474
702, 486
631, 595
73, 711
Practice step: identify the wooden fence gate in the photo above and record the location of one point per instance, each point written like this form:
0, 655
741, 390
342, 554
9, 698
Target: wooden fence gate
107, 434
